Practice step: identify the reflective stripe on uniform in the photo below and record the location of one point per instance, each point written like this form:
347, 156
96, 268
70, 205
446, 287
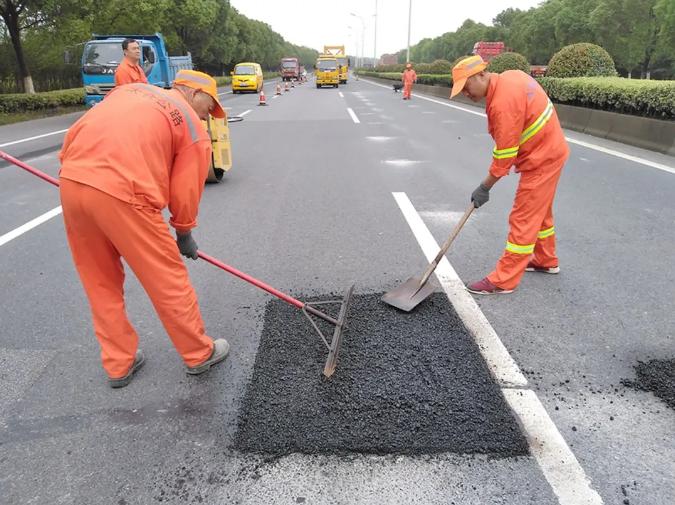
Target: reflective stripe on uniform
509, 152
546, 233
520, 249
532, 130
528, 133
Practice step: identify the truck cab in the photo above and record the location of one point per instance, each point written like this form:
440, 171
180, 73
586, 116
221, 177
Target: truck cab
103, 54
327, 71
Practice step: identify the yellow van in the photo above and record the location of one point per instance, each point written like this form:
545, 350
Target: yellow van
327, 71
247, 77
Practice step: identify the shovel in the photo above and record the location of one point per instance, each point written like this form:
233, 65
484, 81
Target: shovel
412, 292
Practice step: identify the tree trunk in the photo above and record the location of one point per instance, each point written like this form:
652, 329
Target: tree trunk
11, 19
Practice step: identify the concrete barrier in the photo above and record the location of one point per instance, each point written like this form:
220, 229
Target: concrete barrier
647, 133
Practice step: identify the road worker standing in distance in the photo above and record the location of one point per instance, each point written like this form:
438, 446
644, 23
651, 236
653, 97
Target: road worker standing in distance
129, 70
408, 78
528, 136
140, 150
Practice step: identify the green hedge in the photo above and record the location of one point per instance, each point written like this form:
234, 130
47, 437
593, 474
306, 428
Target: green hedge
617, 94
22, 102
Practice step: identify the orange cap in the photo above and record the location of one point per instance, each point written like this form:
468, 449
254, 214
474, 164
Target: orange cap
465, 69
202, 82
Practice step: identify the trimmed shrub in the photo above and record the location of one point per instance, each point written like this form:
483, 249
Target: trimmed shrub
22, 102
508, 61
581, 60
616, 94
430, 79
440, 67
396, 67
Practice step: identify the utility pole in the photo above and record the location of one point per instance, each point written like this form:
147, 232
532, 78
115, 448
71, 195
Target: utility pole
407, 58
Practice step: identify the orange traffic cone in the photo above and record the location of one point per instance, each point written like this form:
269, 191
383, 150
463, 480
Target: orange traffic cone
278, 89
262, 98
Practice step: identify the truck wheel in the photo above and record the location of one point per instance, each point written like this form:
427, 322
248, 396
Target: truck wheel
318, 86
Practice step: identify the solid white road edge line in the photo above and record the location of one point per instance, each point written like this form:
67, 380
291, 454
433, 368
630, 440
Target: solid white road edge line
351, 113
595, 147
17, 232
559, 465
500, 362
32, 138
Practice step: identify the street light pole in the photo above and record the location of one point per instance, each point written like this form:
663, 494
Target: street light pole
409, 18
375, 39
363, 35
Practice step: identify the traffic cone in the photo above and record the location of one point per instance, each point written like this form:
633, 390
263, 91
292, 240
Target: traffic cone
292, 83
287, 88
262, 98
278, 89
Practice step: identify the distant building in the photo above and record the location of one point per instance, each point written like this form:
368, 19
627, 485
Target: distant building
388, 59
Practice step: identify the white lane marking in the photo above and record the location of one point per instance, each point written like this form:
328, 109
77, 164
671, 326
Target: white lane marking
224, 93
595, 147
244, 113
351, 113
499, 360
402, 163
559, 465
380, 138
442, 216
341, 95
275, 96
17, 232
556, 459
28, 139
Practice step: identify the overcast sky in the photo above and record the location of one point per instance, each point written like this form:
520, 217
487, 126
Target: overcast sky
314, 23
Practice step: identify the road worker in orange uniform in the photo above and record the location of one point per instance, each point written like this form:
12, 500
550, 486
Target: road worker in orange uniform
528, 136
408, 78
140, 150
129, 69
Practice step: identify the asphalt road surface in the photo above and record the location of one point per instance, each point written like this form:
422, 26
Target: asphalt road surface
328, 187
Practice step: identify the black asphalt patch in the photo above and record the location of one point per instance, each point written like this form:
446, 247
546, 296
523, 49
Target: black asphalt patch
656, 376
406, 383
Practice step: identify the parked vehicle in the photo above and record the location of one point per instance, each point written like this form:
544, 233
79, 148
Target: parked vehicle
327, 71
103, 54
289, 69
247, 76
343, 61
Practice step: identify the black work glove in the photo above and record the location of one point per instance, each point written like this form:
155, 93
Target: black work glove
187, 245
480, 195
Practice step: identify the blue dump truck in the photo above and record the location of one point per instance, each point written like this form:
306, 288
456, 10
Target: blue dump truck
103, 54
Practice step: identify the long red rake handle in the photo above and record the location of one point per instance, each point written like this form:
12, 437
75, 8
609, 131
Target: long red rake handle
205, 257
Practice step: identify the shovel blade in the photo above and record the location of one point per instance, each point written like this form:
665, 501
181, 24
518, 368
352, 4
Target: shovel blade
404, 297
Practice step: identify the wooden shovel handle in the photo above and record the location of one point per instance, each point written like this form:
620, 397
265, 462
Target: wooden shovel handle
432, 266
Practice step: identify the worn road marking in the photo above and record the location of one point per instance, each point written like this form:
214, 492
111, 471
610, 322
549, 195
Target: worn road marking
17, 232
379, 138
341, 95
559, 465
244, 113
351, 113
28, 139
589, 145
402, 163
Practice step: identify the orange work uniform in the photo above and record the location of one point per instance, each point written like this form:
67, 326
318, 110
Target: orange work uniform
127, 73
409, 77
527, 133
139, 150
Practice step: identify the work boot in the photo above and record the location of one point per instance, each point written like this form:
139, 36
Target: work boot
485, 287
139, 360
220, 350
531, 267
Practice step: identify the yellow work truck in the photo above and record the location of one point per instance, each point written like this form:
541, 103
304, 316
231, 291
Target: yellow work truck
327, 71
343, 61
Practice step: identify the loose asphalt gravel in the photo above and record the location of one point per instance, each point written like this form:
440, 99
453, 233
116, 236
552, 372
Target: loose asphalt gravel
657, 376
406, 383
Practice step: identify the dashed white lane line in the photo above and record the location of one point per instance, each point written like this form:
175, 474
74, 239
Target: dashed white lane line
341, 95
28, 139
244, 113
225, 93
17, 232
559, 465
595, 147
275, 96
351, 113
